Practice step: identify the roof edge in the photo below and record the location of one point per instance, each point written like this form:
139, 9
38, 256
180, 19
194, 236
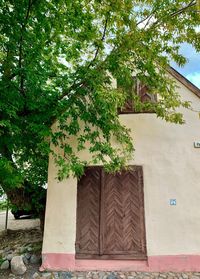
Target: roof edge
184, 81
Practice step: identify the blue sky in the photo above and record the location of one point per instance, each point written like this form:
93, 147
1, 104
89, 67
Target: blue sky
192, 69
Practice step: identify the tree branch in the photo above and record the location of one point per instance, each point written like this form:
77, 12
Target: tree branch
102, 39
178, 12
30, 3
80, 84
191, 4
147, 18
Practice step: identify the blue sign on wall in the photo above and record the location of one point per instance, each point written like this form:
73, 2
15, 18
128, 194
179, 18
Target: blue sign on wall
172, 201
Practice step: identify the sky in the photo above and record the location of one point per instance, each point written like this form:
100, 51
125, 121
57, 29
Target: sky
192, 69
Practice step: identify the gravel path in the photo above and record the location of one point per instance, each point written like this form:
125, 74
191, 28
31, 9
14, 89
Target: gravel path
17, 224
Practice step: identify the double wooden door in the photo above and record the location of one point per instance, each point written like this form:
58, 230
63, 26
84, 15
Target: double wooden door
110, 215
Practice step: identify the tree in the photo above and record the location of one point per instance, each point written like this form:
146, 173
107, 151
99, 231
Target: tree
58, 60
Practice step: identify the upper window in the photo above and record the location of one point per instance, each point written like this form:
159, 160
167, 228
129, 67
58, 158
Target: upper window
139, 99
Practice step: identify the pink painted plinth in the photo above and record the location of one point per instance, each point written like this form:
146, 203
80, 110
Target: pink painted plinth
66, 262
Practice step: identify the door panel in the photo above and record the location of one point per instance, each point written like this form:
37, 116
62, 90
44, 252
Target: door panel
123, 214
88, 207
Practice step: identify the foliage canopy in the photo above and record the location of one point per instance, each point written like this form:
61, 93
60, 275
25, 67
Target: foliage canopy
58, 59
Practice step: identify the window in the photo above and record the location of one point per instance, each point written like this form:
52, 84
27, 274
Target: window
139, 91
110, 215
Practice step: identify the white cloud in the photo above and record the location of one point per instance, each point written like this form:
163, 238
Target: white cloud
194, 78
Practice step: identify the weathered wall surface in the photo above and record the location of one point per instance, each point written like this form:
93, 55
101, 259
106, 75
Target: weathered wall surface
171, 171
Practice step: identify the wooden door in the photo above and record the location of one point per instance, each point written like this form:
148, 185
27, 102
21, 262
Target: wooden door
110, 215
88, 207
122, 225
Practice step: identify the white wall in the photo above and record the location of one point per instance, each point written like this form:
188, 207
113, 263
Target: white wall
171, 171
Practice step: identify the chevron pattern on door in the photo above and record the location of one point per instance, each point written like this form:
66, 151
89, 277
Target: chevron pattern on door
110, 215
123, 230
88, 207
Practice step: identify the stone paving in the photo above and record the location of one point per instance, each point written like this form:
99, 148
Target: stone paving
116, 275
124, 275
35, 274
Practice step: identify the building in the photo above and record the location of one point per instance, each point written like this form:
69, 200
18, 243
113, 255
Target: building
147, 218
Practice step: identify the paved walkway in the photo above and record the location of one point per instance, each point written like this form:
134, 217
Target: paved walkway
34, 274
17, 224
123, 275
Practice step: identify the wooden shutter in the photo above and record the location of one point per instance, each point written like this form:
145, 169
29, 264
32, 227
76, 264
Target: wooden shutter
128, 106
88, 207
110, 215
144, 94
123, 231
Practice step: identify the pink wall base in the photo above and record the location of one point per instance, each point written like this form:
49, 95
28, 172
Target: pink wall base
64, 262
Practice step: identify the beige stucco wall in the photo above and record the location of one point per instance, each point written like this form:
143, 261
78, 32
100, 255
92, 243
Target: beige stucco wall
171, 171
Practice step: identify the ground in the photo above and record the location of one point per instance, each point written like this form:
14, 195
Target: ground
20, 233
17, 224
18, 239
